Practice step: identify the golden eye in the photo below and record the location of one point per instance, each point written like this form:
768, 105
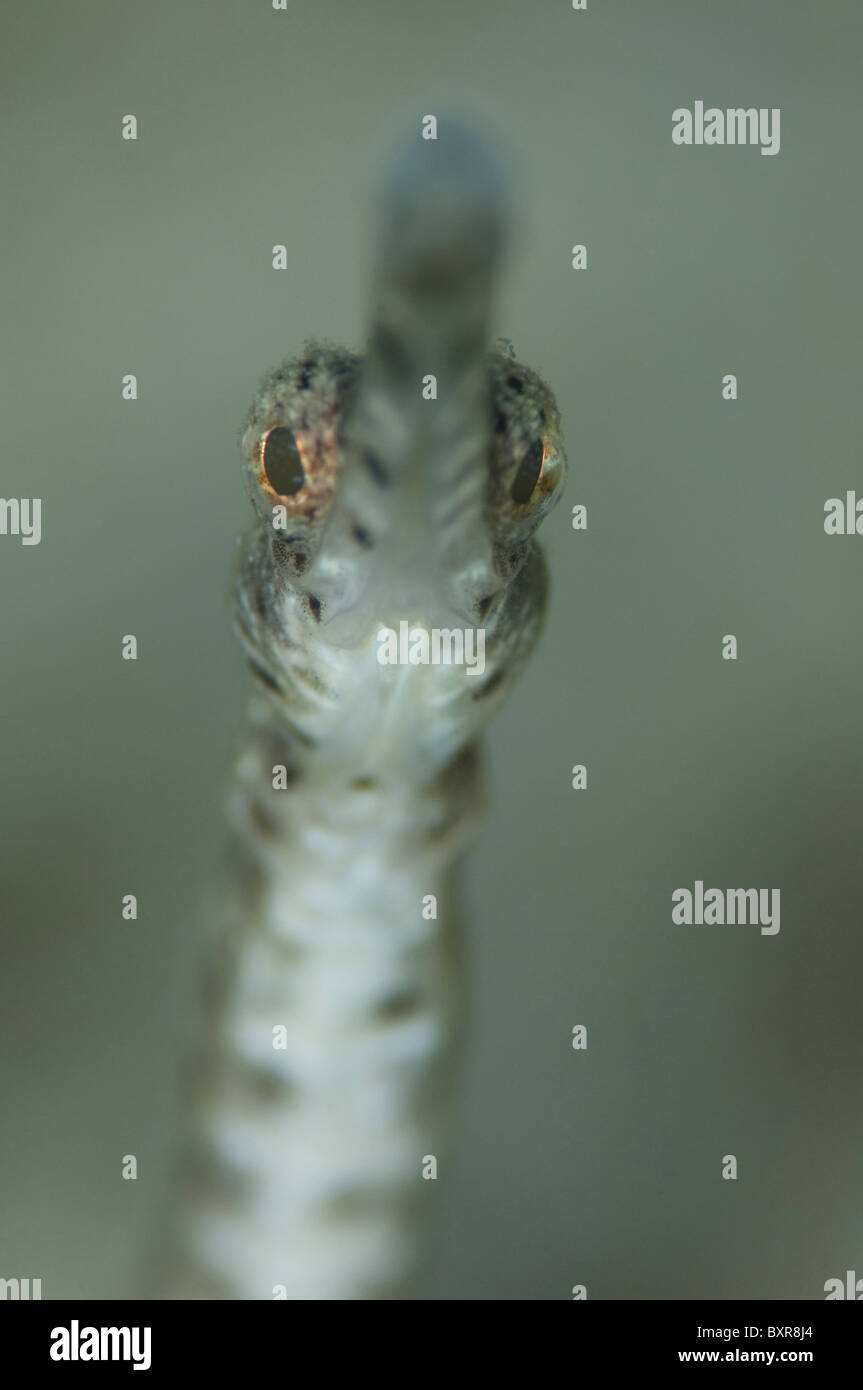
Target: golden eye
528, 473
282, 463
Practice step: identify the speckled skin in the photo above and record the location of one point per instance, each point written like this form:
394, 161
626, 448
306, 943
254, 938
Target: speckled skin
305, 1179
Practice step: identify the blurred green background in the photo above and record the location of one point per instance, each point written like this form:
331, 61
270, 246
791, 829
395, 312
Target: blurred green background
705, 518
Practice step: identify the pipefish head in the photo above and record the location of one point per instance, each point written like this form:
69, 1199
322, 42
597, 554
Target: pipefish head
409, 482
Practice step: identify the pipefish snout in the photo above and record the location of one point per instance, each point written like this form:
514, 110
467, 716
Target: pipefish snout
396, 498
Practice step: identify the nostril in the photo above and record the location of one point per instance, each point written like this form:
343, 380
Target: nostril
483, 605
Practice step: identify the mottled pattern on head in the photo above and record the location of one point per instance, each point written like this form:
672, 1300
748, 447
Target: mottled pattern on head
310, 666
311, 396
528, 463
406, 485
308, 395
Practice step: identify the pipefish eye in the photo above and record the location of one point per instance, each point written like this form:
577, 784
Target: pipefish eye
528, 473
281, 461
